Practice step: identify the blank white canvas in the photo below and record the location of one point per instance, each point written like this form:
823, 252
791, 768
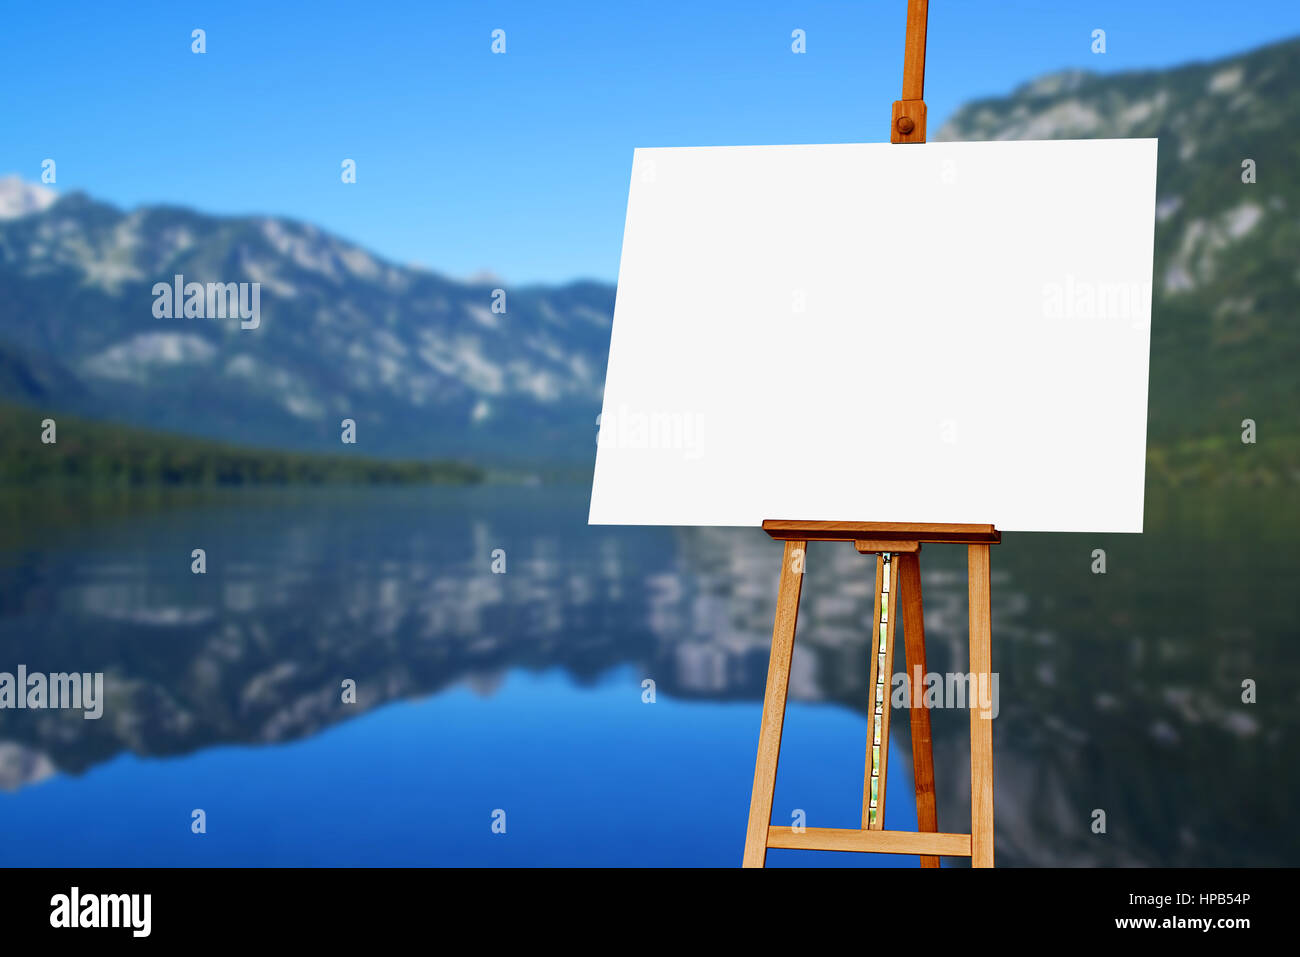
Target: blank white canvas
942, 332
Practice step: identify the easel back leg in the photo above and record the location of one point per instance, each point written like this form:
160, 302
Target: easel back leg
909, 596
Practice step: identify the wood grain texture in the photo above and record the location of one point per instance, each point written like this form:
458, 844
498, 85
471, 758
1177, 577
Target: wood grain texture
868, 546
913, 619
873, 842
913, 110
786, 530
778, 683
981, 723
918, 17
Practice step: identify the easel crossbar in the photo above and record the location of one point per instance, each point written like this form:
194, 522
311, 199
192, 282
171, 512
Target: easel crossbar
870, 842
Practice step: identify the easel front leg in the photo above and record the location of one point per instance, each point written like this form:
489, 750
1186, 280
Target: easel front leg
778, 682
980, 703
909, 585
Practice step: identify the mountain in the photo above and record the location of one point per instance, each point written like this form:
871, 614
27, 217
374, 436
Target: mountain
1225, 342
428, 369
422, 363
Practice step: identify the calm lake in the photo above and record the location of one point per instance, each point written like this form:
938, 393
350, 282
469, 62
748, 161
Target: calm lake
518, 697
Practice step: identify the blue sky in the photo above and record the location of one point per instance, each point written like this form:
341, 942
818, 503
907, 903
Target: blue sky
519, 163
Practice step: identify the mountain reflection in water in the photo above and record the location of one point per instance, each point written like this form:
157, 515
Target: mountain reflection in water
1120, 692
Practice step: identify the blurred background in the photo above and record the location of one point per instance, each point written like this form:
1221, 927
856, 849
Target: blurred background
127, 157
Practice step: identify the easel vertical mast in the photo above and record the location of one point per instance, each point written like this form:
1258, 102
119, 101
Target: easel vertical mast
908, 122
883, 628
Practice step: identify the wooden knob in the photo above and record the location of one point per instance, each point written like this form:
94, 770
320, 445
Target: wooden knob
905, 125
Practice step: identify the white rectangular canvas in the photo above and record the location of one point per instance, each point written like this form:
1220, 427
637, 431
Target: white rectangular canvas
941, 332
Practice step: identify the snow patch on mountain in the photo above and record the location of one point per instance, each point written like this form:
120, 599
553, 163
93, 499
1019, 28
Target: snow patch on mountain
19, 198
134, 359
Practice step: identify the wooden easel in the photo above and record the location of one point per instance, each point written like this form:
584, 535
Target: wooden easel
897, 547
